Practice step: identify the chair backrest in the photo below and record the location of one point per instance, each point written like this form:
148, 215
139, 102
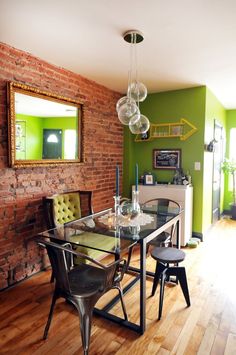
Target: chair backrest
59, 256
164, 207
59, 261
66, 207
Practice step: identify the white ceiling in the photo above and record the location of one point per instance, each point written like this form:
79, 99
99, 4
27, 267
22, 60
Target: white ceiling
34, 106
187, 42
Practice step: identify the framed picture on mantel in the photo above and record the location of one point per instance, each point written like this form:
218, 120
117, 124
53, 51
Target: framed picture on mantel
148, 179
169, 159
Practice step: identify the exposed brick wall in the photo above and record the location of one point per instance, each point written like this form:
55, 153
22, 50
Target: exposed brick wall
21, 190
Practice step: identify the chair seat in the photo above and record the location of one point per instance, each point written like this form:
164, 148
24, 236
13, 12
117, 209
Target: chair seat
160, 239
168, 255
86, 280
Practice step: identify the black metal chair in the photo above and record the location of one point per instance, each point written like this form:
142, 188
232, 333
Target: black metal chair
163, 208
81, 285
164, 257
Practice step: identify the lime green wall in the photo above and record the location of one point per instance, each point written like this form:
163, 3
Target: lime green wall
33, 136
230, 123
166, 107
34, 132
214, 111
200, 107
62, 123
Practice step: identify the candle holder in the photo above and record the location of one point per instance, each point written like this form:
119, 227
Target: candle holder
117, 239
135, 202
117, 206
134, 230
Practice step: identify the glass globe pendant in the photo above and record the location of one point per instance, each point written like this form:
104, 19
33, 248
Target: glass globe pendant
137, 91
124, 100
127, 112
141, 126
127, 106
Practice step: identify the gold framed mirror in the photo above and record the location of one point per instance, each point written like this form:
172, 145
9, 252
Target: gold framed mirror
43, 128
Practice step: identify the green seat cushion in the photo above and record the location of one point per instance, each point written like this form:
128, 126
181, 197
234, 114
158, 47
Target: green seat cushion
96, 240
66, 208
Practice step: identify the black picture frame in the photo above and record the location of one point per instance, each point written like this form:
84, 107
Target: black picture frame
167, 159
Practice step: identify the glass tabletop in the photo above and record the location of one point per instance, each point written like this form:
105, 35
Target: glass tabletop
105, 232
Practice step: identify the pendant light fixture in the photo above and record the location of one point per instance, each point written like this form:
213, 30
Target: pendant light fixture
128, 106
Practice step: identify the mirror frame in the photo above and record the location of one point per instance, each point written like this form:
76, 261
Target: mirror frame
14, 87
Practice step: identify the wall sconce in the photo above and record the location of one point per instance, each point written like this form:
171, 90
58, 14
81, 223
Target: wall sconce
211, 146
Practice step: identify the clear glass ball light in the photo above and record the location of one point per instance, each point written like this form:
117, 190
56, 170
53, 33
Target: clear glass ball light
127, 111
137, 91
124, 100
141, 126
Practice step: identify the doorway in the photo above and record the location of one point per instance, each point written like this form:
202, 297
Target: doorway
52, 144
216, 179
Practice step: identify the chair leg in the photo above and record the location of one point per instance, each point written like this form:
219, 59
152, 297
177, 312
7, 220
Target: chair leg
129, 258
180, 273
161, 297
54, 298
122, 301
85, 309
184, 284
159, 269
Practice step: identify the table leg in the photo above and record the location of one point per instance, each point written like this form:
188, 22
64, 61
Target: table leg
142, 286
178, 234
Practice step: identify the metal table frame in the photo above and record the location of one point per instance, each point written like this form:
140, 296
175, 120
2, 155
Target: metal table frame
141, 276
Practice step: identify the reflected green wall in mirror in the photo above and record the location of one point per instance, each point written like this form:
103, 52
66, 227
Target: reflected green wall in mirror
31, 131
32, 135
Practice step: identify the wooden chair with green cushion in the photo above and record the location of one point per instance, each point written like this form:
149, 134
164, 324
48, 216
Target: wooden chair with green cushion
66, 207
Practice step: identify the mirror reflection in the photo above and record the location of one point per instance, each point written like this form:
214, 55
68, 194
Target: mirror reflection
43, 130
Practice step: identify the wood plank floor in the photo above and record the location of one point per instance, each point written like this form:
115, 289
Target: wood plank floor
207, 327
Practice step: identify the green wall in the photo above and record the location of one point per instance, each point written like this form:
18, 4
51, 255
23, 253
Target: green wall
230, 123
166, 107
200, 107
214, 111
34, 133
33, 139
62, 123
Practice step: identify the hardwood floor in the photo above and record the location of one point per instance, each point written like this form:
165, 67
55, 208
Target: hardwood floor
207, 327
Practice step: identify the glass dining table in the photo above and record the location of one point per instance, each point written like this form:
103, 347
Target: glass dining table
103, 232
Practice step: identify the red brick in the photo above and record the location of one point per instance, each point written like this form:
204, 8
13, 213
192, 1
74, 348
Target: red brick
21, 190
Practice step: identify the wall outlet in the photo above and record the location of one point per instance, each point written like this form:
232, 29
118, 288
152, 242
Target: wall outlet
197, 165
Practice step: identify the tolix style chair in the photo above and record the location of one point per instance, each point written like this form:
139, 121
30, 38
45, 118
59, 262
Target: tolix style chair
82, 285
163, 208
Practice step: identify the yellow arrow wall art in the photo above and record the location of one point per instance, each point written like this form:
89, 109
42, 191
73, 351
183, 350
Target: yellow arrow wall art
183, 129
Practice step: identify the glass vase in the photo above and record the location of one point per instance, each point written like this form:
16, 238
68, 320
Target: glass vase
135, 202
117, 206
